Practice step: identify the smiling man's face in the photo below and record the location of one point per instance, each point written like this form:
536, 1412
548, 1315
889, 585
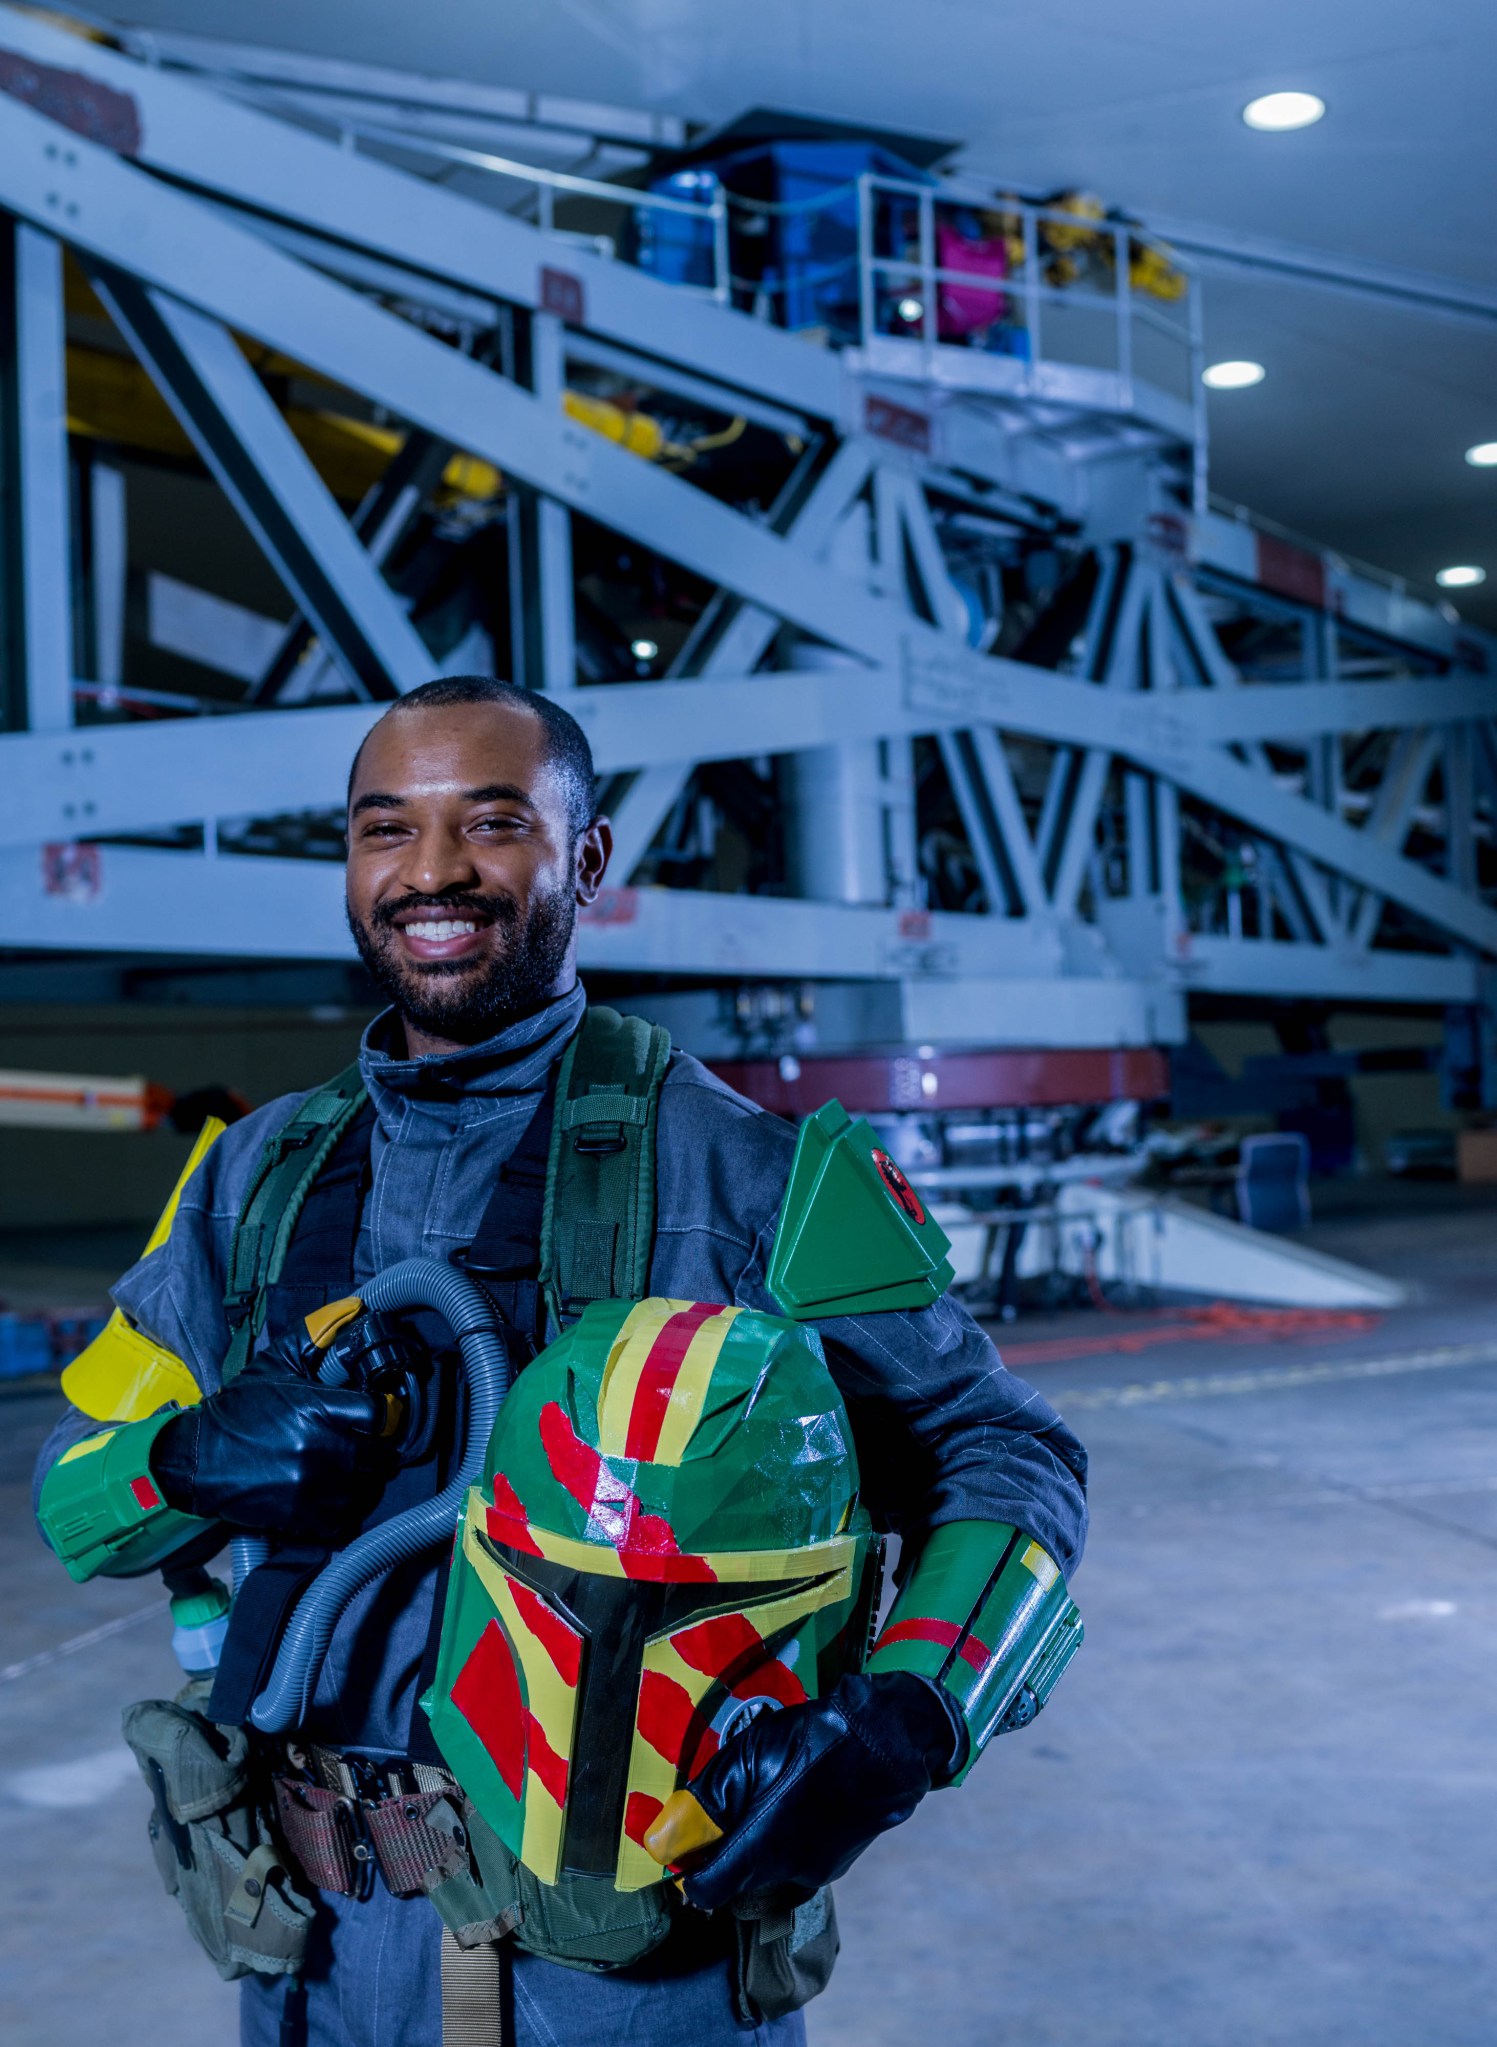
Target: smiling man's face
464, 870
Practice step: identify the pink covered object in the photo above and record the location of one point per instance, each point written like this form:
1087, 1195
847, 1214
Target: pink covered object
964, 309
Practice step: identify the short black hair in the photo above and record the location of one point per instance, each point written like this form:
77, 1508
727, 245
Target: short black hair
567, 747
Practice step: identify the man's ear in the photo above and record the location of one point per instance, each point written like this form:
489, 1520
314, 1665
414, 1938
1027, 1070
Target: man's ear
594, 851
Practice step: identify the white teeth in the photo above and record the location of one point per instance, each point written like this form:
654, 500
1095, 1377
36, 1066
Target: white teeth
439, 928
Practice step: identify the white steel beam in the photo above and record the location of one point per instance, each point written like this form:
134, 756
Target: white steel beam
553, 596
737, 650
1399, 794
141, 900
1296, 711
202, 138
1079, 784
642, 810
36, 641
979, 825
164, 237
167, 240
1159, 736
1270, 968
125, 779
262, 469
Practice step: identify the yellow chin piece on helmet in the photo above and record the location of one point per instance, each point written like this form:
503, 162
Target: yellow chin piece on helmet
124, 1375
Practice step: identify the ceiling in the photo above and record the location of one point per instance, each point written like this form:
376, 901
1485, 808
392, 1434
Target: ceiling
1356, 436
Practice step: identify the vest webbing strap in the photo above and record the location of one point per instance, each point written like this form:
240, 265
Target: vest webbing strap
282, 1179
598, 1225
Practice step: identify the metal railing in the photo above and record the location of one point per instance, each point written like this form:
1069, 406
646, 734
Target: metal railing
896, 286
901, 290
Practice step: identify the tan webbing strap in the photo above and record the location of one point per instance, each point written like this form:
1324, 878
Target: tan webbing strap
472, 1993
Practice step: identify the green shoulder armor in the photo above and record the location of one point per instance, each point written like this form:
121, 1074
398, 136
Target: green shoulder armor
853, 1236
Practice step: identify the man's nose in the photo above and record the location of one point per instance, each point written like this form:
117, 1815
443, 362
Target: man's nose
438, 861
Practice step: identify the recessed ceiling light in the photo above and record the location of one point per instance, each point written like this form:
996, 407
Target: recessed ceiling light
1275, 111
1232, 376
1483, 455
643, 650
1460, 577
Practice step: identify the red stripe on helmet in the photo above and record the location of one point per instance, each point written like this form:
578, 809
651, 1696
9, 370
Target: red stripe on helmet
730, 1648
645, 1542
662, 1566
640, 1814
507, 1519
543, 1761
657, 1379
487, 1694
558, 1640
672, 1724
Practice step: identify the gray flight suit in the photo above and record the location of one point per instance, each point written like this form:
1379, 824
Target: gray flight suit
945, 1433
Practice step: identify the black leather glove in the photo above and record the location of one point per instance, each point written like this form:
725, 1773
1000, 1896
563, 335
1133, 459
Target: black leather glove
801, 1792
284, 1455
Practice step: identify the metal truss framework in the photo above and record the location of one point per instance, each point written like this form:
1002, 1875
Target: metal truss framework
1147, 811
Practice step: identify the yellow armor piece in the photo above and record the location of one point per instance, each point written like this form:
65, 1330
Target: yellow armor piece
125, 1375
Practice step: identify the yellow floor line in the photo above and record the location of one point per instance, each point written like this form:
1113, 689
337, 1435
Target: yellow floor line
1221, 1385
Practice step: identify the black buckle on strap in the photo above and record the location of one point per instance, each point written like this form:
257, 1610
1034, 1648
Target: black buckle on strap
599, 1140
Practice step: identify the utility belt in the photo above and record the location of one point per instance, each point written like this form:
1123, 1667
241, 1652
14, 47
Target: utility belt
344, 1817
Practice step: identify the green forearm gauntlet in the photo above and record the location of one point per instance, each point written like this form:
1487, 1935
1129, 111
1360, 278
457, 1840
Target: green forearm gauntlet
984, 1614
102, 1510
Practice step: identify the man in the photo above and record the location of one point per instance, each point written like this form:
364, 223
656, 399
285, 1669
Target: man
472, 841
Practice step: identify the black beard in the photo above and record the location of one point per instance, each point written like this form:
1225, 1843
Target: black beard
453, 999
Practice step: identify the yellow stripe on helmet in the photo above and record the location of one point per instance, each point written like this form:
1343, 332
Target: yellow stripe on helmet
551, 1700
689, 1394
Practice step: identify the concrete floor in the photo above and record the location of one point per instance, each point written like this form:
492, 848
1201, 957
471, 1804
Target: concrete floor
1257, 1809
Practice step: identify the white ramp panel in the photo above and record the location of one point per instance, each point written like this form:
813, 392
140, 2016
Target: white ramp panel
1133, 1238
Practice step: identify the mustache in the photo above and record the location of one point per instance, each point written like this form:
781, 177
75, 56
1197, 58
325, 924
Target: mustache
501, 910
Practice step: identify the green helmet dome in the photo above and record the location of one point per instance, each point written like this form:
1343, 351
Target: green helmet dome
694, 1427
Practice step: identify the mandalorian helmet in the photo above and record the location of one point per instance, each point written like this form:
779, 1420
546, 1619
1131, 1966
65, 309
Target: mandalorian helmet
668, 1539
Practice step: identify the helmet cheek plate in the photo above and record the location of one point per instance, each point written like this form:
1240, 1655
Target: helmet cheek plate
667, 1539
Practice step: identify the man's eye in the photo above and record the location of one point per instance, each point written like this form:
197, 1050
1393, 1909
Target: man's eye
496, 824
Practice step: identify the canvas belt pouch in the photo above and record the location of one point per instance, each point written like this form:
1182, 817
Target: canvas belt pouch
581, 1922
213, 1842
781, 1956
784, 1954
336, 1838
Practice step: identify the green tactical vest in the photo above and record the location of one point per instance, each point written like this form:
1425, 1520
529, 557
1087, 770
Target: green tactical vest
597, 1233
598, 1222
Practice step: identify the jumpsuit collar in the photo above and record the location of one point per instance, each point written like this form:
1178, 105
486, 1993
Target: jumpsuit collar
514, 1061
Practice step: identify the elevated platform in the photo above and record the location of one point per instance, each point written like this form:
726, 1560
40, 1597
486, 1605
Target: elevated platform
956, 690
